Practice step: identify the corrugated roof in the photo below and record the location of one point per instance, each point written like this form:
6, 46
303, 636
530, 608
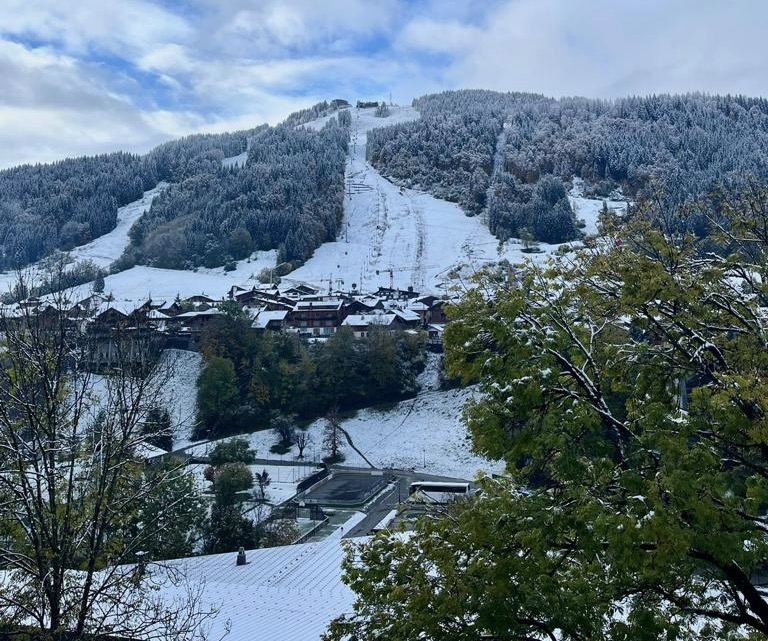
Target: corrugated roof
288, 593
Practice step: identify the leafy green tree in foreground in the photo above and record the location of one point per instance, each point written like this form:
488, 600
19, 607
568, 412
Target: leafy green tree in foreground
627, 390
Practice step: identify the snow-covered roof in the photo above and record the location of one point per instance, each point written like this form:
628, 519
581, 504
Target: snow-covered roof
265, 316
125, 307
288, 593
318, 304
407, 315
365, 320
213, 311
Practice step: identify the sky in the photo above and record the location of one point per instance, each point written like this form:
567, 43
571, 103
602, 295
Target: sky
92, 76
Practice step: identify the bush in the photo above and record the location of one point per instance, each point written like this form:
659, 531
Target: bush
237, 450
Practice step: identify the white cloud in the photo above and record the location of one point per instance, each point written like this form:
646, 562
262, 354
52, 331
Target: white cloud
128, 74
278, 27
606, 48
126, 28
435, 36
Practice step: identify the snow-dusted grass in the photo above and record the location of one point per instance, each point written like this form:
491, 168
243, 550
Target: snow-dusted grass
180, 370
588, 209
139, 283
106, 249
425, 433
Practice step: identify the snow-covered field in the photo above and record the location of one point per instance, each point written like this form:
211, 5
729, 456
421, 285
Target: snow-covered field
106, 249
179, 370
425, 433
140, 283
588, 209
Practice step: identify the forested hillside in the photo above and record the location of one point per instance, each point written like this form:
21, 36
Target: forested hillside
524, 146
508, 156
289, 195
71, 202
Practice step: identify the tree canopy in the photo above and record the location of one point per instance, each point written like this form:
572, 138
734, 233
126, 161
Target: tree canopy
625, 388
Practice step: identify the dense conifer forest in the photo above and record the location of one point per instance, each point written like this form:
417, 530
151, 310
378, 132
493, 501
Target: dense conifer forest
507, 156
510, 154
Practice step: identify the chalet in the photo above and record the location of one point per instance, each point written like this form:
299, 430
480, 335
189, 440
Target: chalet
435, 337
172, 308
316, 317
339, 103
112, 314
361, 324
363, 305
407, 318
272, 320
200, 301
393, 293
367, 104
300, 290
197, 321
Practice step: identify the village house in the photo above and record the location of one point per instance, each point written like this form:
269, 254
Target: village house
316, 317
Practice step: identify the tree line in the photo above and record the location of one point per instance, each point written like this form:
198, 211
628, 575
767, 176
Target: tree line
288, 196
248, 379
488, 152
293, 205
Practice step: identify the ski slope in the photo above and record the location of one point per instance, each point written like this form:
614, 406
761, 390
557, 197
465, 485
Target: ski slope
416, 236
406, 237
106, 249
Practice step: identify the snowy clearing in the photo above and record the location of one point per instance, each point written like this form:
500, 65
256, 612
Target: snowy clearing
179, 391
425, 433
588, 209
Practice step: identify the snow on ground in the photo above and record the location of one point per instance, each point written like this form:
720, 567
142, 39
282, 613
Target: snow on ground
106, 249
288, 593
425, 433
179, 390
588, 209
415, 235
139, 283
235, 161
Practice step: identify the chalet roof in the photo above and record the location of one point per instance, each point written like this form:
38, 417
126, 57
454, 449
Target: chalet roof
366, 320
407, 315
213, 311
305, 304
266, 316
199, 298
124, 307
